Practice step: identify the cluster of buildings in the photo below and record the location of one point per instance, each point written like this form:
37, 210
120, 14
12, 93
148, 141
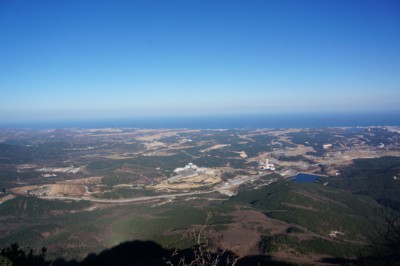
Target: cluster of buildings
266, 165
190, 170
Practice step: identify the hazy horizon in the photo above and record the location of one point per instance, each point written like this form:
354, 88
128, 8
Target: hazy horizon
233, 121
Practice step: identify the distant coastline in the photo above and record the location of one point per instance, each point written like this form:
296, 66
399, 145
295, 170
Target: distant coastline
223, 121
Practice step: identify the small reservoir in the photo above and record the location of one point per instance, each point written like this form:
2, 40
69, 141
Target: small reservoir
305, 178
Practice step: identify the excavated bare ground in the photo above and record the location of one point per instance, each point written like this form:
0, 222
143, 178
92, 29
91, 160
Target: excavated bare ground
70, 190
52, 190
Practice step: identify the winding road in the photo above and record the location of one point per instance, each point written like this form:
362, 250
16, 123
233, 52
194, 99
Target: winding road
130, 200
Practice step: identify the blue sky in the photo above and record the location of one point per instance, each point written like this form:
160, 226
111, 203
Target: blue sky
103, 59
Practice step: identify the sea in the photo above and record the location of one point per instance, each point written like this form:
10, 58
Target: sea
276, 121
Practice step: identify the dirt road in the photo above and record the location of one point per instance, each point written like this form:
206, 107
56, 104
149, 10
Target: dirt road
130, 200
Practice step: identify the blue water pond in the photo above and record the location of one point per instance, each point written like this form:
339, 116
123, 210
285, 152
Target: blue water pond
305, 178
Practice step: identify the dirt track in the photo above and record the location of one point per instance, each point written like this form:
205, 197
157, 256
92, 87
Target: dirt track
129, 200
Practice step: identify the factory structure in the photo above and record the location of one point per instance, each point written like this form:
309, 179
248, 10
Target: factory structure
190, 170
188, 167
266, 165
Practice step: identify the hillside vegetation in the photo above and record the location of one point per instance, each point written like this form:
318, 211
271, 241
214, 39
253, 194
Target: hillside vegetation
340, 222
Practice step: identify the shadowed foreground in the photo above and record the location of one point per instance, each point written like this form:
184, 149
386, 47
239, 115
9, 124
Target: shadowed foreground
148, 253
141, 253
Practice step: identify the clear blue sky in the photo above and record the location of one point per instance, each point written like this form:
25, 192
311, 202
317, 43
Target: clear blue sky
100, 59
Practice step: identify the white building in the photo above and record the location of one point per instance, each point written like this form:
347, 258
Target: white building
266, 165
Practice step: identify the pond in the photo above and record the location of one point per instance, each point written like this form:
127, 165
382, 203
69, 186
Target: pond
305, 178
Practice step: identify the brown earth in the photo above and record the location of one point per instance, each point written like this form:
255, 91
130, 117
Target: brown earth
83, 181
70, 190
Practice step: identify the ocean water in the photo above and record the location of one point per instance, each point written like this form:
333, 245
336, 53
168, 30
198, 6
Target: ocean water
225, 122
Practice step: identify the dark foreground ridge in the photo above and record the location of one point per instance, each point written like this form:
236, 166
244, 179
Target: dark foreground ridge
148, 253
143, 253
